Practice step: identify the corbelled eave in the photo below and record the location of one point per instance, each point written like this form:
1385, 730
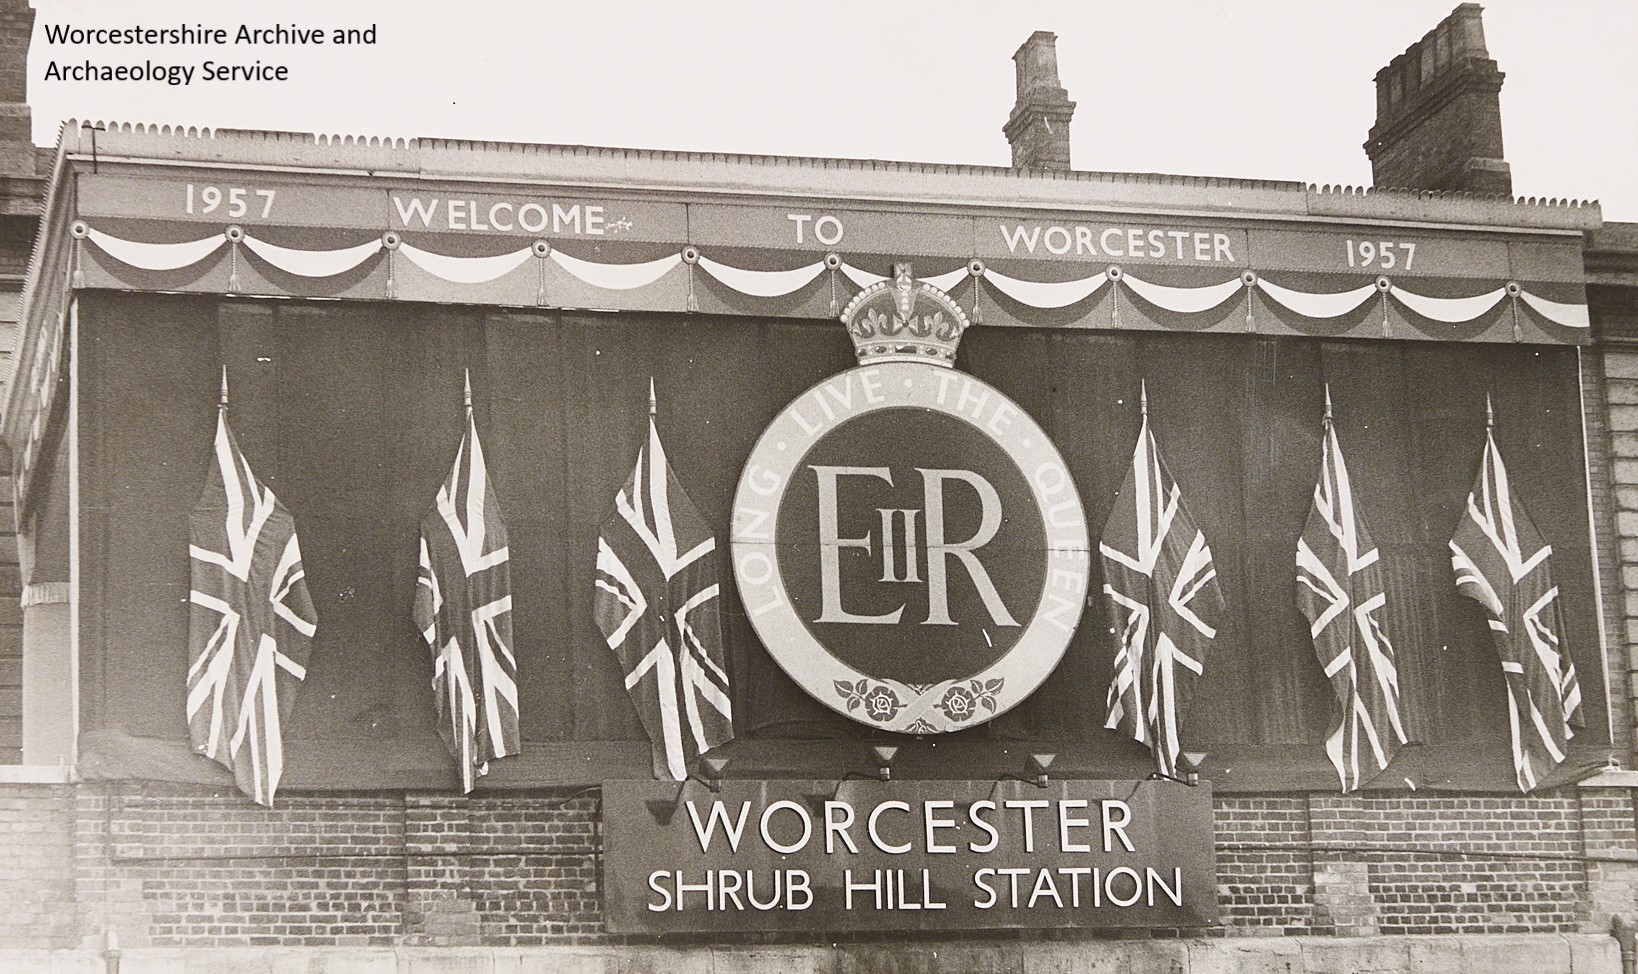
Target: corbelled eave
698, 174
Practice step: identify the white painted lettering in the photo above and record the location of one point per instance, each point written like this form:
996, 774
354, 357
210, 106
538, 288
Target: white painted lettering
1018, 235
831, 544
570, 216
416, 207
532, 218
932, 823
801, 815
1026, 808
1116, 816
838, 826
875, 835
1066, 822
983, 826
831, 237
707, 830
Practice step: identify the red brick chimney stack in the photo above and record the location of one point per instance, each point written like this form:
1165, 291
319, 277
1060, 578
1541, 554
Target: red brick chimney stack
1438, 113
1038, 128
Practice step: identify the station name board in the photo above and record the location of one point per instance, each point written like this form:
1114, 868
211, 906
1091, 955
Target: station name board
870, 855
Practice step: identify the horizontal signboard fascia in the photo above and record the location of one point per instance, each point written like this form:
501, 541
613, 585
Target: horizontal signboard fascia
910, 231
822, 228
544, 213
915, 855
1394, 252
222, 198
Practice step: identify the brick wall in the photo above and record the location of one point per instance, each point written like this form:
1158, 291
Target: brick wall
1265, 874
1463, 865
1358, 866
37, 869
1610, 551
511, 871
1620, 387
174, 866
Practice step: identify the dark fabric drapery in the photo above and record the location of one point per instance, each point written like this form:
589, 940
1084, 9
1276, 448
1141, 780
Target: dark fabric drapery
350, 411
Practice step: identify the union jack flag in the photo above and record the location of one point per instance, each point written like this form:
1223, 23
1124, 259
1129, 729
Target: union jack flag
1340, 591
1164, 601
656, 603
250, 620
463, 608
1503, 563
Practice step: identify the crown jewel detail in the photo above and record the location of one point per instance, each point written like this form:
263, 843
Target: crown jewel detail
902, 320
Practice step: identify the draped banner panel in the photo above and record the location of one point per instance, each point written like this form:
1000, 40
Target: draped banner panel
605, 252
345, 406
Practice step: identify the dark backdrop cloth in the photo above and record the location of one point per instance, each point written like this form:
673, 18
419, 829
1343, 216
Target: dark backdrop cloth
351, 412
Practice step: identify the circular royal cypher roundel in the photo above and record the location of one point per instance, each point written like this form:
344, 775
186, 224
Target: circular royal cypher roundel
907, 542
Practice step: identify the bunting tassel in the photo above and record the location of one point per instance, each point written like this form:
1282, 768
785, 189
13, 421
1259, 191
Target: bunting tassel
392, 279
1251, 302
978, 292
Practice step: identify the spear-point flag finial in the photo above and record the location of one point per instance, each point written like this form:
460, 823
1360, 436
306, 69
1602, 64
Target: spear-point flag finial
653, 401
222, 402
468, 393
1328, 404
1489, 413
1143, 396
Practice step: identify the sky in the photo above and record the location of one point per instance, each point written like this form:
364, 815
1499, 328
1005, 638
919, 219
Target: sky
1259, 89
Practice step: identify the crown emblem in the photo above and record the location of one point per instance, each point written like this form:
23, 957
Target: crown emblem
902, 320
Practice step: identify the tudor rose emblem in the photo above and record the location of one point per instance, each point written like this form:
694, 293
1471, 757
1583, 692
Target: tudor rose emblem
908, 543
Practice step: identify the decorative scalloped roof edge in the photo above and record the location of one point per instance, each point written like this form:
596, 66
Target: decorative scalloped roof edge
722, 172
1446, 205
1450, 194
